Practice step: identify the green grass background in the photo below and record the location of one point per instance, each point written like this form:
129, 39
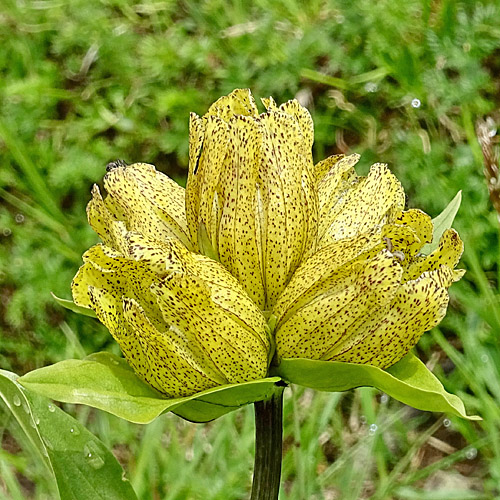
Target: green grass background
88, 81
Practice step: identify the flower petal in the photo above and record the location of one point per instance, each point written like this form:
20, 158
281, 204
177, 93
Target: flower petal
373, 201
177, 369
104, 222
447, 253
285, 226
336, 176
388, 334
186, 304
238, 102
325, 321
420, 222
152, 203
239, 244
321, 270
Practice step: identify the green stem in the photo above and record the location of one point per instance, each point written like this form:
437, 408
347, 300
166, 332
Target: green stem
268, 447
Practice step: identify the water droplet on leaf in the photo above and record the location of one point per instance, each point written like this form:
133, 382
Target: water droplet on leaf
92, 455
16, 400
52, 408
74, 431
48, 443
446, 422
471, 453
415, 103
373, 429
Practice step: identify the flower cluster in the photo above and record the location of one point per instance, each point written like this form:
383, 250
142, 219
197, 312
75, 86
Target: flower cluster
263, 256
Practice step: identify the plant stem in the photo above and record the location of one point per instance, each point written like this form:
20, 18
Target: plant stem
268, 447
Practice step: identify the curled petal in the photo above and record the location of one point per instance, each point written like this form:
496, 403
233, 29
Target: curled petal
175, 367
152, 203
103, 218
372, 201
421, 223
447, 253
324, 268
175, 314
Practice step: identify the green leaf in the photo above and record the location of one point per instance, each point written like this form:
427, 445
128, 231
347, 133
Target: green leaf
83, 467
107, 382
69, 304
443, 222
408, 381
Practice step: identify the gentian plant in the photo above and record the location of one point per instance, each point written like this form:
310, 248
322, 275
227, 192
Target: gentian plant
266, 270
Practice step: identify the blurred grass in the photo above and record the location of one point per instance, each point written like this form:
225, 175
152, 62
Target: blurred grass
86, 82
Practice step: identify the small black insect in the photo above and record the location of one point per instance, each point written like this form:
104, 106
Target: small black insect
115, 164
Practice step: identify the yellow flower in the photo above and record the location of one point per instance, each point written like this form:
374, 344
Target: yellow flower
182, 321
367, 295
250, 197
186, 279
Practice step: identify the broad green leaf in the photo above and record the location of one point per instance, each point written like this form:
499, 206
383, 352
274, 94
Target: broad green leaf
83, 467
107, 382
69, 304
443, 222
408, 381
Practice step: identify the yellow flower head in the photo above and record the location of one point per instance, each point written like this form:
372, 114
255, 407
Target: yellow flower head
184, 279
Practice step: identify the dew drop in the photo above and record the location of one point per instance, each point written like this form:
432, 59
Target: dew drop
26, 408
446, 422
384, 399
485, 358
91, 453
48, 443
6, 231
19, 218
115, 362
372, 429
471, 453
52, 408
37, 421
415, 103
74, 431
16, 400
